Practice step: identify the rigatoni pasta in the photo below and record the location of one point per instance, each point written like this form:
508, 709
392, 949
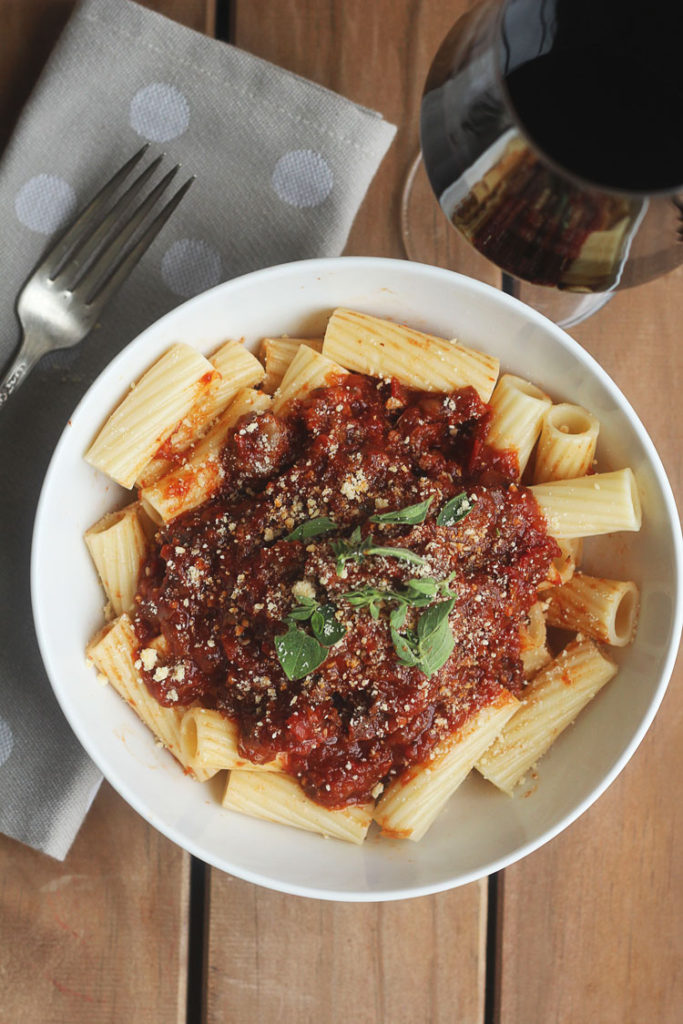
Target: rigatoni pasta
150, 413
591, 505
411, 802
210, 743
307, 371
237, 369
277, 354
604, 609
551, 703
518, 408
118, 544
377, 347
201, 473
566, 446
117, 656
342, 605
279, 798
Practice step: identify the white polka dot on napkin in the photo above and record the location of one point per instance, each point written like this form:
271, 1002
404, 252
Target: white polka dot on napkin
302, 178
45, 203
190, 266
159, 112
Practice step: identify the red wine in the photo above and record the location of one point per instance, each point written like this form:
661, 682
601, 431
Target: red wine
598, 86
544, 123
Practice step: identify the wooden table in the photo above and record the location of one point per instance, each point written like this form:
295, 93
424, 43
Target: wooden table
586, 929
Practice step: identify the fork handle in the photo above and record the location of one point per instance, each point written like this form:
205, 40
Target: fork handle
26, 358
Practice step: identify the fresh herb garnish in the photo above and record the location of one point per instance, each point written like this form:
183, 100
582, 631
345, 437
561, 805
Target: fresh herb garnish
300, 653
355, 548
435, 637
430, 645
422, 591
326, 627
454, 510
406, 646
411, 515
415, 593
398, 616
312, 528
303, 610
366, 597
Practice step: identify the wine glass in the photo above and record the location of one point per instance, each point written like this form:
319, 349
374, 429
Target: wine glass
550, 135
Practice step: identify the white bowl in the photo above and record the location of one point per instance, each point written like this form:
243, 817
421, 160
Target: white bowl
481, 830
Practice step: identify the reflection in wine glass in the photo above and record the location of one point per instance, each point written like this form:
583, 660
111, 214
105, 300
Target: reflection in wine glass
545, 159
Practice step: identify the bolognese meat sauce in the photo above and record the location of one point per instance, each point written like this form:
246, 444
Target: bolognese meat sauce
224, 581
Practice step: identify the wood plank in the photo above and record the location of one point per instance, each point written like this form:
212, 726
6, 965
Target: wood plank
591, 926
101, 937
297, 961
276, 957
376, 54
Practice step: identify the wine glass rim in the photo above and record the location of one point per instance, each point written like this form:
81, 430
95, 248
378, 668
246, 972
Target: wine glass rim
550, 161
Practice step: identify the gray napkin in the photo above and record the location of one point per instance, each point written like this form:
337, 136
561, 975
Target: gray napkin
282, 166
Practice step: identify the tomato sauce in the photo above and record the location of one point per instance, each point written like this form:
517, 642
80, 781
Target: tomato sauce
223, 578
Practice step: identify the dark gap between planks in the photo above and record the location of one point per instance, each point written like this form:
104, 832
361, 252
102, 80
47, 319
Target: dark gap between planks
197, 917
196, 951
491, 980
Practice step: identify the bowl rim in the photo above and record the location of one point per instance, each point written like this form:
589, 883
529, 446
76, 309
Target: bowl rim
109, 772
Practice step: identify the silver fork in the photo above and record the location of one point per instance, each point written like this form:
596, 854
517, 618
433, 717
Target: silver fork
62, 299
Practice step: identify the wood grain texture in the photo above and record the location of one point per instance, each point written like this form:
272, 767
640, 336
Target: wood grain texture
590, 926
100, 938
376, 54
298, 961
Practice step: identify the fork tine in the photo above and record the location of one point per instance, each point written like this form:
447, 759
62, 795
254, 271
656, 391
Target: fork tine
90, 214
106, 288
86, 283
87, 245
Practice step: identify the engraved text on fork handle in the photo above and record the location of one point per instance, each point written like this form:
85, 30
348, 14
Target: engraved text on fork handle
17, 373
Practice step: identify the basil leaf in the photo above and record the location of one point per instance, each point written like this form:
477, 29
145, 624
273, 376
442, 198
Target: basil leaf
422, 585
411, 515
435, 652
406, 647
354, 539
299, 653
405, 554
454, 510
433, 618
416, 593
364, 596
398, 616
300, 614
354, 549
421, 592
312, 528
303, 610
326, 627
435, 636
349, 550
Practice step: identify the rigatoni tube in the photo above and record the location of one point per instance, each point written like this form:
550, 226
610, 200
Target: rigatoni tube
590, 505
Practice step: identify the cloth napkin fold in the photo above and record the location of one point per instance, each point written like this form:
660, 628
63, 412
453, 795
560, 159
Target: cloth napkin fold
281, 165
